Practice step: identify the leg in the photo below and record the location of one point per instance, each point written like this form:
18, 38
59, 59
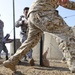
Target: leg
1, 49
67, 48
30, 58
29, 54
5, 50
53, 23
23, 37
33, 38
67, 44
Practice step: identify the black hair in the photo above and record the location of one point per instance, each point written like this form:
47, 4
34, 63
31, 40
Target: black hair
26, 8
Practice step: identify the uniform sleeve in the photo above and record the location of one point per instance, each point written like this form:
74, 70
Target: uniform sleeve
70, 5
18, 23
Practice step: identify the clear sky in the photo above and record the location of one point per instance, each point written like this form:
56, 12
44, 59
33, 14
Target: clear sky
6, 11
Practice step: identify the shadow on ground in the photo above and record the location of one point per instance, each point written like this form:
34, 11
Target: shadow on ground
18, 73
52, 68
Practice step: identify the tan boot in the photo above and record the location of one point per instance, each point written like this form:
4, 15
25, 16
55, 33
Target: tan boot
31, 62
9, 65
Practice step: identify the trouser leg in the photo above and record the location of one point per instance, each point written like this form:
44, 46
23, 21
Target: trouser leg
67, 47
53, 23
1, 49
33, 38
6, 51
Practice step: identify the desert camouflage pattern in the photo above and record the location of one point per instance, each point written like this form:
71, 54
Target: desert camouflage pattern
47, 5
43, 16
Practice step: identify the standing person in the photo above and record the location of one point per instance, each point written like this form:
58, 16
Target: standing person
1, 36
42, 17
22, 22
2, 42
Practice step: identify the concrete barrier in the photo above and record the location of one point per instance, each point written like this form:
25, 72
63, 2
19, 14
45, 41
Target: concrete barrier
36, 52
17, 45
53, 51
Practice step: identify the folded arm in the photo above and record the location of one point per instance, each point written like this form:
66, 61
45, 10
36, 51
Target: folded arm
18, 23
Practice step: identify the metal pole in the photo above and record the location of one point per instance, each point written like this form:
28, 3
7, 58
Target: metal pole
41, 51
14, 25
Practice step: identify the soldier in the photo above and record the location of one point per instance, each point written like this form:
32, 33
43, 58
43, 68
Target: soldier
42, 17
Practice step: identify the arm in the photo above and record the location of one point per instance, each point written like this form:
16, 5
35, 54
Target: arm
19, 22
69, 5
9, 40
26, 22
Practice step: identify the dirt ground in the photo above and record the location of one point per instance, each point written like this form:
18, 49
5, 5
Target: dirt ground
55, 68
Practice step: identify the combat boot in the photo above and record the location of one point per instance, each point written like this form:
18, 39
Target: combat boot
10, 65
6, 57
31, 62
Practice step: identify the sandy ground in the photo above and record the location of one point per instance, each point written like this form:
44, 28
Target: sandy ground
55, 68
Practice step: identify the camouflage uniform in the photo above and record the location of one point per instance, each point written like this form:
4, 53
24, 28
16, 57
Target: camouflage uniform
44, 17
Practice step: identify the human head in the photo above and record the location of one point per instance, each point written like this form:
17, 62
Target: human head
25, 10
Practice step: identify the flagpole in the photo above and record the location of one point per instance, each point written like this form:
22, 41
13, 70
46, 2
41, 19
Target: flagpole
14, 25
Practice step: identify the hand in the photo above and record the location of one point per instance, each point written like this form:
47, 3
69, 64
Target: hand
62, 2
21, 17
